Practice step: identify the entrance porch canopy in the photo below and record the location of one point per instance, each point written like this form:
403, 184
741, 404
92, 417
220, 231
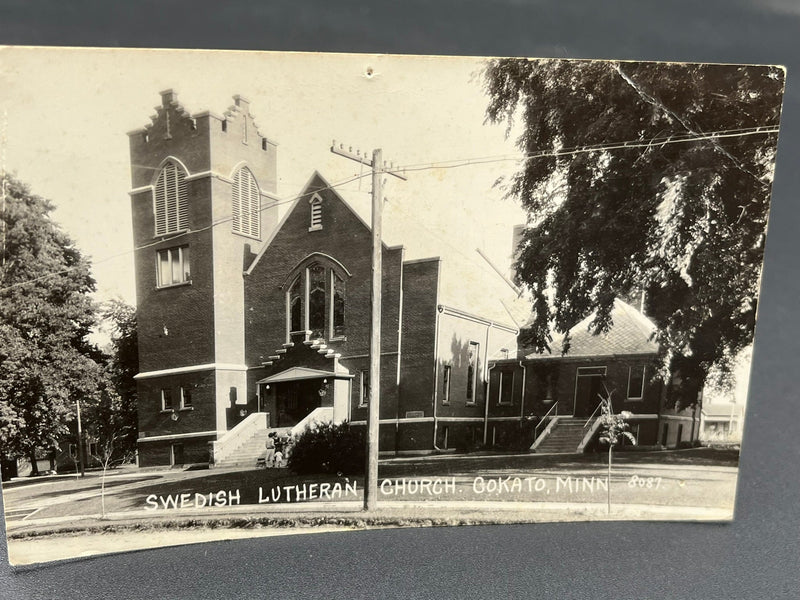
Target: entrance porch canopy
300, 373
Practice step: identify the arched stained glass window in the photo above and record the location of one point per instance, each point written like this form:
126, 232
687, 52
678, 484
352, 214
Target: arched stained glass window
171, 205
316, 300
337, 305
296, 306
246, 203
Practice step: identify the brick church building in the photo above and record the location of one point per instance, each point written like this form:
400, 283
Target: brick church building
247, 323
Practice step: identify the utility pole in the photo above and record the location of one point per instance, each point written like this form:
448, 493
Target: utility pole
373, 420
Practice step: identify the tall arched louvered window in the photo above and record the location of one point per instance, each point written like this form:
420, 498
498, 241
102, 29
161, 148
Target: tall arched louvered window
171, 200
246, 204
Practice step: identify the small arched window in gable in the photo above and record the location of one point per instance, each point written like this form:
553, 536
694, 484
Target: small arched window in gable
171, 203
246, 204
316, 213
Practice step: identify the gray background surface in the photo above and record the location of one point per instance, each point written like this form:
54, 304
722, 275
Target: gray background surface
755, 557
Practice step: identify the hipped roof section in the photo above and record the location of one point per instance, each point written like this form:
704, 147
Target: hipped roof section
631, 333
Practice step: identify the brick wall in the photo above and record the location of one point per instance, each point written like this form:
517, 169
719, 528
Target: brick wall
185, 311
562, 374
154, 454
420, 297
202, 416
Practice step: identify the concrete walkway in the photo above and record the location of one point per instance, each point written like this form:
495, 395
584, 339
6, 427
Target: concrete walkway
317, 517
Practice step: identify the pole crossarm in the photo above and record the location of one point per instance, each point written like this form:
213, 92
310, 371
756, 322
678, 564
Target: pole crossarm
387, 168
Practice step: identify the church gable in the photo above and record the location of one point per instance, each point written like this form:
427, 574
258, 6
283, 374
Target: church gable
318, 219
314, 276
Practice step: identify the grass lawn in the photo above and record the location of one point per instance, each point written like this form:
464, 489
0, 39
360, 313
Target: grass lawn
638, 477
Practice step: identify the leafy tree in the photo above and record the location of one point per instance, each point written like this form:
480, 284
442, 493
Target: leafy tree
46, 360
643, 177
613, 428
116, 417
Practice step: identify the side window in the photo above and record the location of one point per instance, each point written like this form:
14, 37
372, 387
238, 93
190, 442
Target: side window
446, 374
506, 388
363, 397
472, 371
173, 266
636, 382
186, 397
166, 399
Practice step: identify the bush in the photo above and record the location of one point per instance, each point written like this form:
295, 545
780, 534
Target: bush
329, 448
686, 444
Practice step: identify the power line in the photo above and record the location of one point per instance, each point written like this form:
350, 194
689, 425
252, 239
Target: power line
623, 145
174, 237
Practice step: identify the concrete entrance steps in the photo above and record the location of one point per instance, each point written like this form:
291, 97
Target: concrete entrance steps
247, 453
564, 437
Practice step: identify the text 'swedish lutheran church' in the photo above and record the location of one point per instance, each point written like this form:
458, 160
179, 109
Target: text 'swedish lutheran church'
246, 323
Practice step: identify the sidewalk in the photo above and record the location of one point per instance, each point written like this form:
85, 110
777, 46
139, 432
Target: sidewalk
55, 539
485, 511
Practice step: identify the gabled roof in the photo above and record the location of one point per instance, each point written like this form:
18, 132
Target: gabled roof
631, 333
722, 410
297, 373
308, 190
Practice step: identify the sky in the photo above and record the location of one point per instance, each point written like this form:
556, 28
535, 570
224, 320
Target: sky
67, 113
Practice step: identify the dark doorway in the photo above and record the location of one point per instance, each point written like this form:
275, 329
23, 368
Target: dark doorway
177, 454
296, 399
589, 389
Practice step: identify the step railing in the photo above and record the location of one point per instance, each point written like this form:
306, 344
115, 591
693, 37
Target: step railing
546, 416
223, 448
591, 416
589, 435
594, 420
538, 438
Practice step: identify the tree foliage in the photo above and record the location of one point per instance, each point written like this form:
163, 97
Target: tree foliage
115, 416
46, 313
329, 448
643, 177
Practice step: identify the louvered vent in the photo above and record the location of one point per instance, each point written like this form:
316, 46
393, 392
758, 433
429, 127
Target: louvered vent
246, 204
171, 200
316, 214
